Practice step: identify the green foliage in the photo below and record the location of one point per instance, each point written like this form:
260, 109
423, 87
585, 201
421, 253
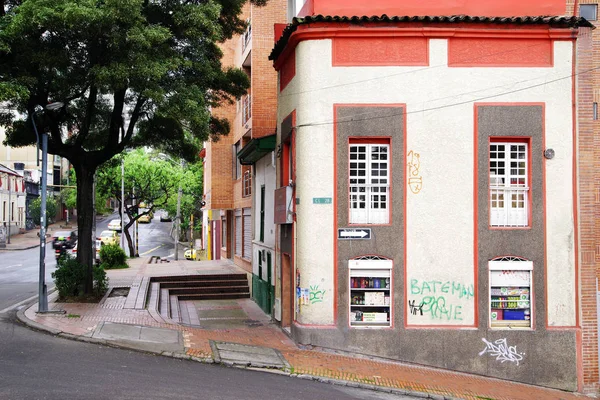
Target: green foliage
69, 278
112, 256
35, 210
129, 73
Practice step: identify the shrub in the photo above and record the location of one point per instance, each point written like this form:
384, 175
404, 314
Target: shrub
112, 257
69, 278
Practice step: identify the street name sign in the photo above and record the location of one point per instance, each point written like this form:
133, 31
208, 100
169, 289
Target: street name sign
354, 233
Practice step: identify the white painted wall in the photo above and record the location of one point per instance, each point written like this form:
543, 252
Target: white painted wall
265, 174
440, 128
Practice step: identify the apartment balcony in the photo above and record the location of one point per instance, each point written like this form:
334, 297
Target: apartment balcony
246, 39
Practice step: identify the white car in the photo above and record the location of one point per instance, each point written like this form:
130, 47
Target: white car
73, 252
115, 225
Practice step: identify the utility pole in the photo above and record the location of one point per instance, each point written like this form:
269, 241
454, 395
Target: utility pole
178, 218
93, 220
43, 293
9, 211
122, 203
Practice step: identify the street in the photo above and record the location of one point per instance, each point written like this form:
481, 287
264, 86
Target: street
19, 270
35, 365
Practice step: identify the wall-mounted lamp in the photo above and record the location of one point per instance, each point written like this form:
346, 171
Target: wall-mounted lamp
549, 154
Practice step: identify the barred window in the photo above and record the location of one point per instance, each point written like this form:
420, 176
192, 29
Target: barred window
369, 186
509, 186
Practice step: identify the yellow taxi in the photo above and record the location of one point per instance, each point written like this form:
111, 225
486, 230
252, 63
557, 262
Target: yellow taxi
190, 254
109, 237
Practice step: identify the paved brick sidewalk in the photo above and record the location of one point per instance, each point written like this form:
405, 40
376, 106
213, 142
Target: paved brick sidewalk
83, 319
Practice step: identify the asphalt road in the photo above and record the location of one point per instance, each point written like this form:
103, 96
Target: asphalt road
35, 365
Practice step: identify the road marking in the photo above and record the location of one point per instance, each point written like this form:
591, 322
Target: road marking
7, 309
11, 266
146, 252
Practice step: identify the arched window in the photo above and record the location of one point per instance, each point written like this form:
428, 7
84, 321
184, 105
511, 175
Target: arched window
510, 292
370, 291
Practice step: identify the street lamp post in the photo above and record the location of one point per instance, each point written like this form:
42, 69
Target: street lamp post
43, 291
178, 219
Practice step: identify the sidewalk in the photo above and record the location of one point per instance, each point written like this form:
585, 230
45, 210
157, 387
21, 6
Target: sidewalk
238, 333
30, 239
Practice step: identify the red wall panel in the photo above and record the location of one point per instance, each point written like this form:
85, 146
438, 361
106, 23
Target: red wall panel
373, 51
491, 52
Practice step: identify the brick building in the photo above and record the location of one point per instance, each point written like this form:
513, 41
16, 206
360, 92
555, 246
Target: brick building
587, 98
229, 226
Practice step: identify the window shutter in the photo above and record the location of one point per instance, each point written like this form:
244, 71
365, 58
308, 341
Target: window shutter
247, 233
238, 233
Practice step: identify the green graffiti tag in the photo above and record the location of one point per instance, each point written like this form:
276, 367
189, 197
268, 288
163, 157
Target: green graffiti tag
453, 288
437, 298
316, 295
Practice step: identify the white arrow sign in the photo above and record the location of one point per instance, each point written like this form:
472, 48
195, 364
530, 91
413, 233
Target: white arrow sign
349, 233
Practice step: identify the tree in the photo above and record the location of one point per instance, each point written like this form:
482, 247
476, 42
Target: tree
154, 180
36, 210
129, 73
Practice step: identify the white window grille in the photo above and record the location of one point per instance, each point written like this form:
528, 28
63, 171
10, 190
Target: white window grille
509, 186
246, 108
369, 183
247, 184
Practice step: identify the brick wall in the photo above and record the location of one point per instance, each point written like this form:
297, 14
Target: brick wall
588, 92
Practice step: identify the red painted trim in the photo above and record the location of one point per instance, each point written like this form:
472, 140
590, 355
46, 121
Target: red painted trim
579, 350
499, 52
380, 51
335, 220
450, 327
575, 180
476, 218
504, 8
370, 140
325, 30
373, 140
287, 71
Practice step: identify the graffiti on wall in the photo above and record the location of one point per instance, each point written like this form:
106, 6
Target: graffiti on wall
316, 295
502, 351
439, 300
414, 308
415, 180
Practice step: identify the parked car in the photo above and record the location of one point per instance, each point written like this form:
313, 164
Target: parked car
190, 254
73, 252
165, 217
64, 239
115, 225
109, 237
146, 217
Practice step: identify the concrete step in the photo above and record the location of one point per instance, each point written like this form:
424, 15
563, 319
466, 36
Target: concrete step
199, 278
214, 296
209, 289
174, 306
164, 307
205, 283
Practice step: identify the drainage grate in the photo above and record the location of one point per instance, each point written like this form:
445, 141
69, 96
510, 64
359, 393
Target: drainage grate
119, 292
236, 355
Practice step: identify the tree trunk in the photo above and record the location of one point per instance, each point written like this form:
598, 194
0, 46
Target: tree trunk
128, 237
85, 219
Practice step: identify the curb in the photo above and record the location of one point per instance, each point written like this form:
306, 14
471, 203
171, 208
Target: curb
182, 356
